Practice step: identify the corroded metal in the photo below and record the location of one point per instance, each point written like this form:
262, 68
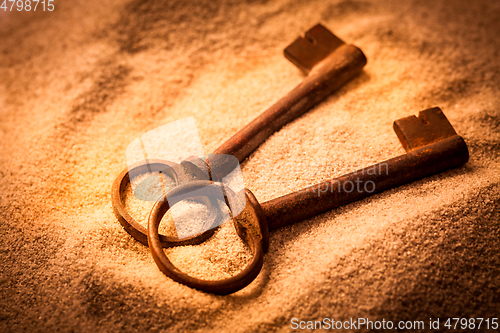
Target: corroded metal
180, 173
418, 163
328, 62
432, 146
250, 225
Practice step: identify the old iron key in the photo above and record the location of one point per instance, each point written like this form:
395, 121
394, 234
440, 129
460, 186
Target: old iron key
328, 62
431, 145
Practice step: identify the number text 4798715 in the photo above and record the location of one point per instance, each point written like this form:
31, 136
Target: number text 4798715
27, 5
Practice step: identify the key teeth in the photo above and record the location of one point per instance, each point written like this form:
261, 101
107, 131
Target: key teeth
422, 117
320, 35
430, 126
317, 43
432, 115
399, 133
292, 53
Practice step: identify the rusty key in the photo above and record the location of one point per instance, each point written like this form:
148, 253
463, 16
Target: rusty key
328, 64
431, 145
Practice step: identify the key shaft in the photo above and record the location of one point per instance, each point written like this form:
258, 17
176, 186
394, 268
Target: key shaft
329, 64
419, 163
330, 74
432, 146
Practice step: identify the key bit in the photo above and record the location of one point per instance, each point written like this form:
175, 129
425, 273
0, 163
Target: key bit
317, 43
433, 146
430, 126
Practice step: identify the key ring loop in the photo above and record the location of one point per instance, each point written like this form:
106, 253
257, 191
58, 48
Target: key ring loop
251, 233
134, 228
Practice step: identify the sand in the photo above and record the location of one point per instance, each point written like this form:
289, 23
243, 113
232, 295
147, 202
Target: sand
78, 84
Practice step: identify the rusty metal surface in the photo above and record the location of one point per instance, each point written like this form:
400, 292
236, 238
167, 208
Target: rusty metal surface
331, 70
422, 162
180, 175
435, 147
431, 143
329, 62
430, 126
317, 43
248, 225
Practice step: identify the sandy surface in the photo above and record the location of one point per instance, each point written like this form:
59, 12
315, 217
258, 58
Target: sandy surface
77, 85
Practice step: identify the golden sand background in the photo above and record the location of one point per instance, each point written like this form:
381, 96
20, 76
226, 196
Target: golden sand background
77, 85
